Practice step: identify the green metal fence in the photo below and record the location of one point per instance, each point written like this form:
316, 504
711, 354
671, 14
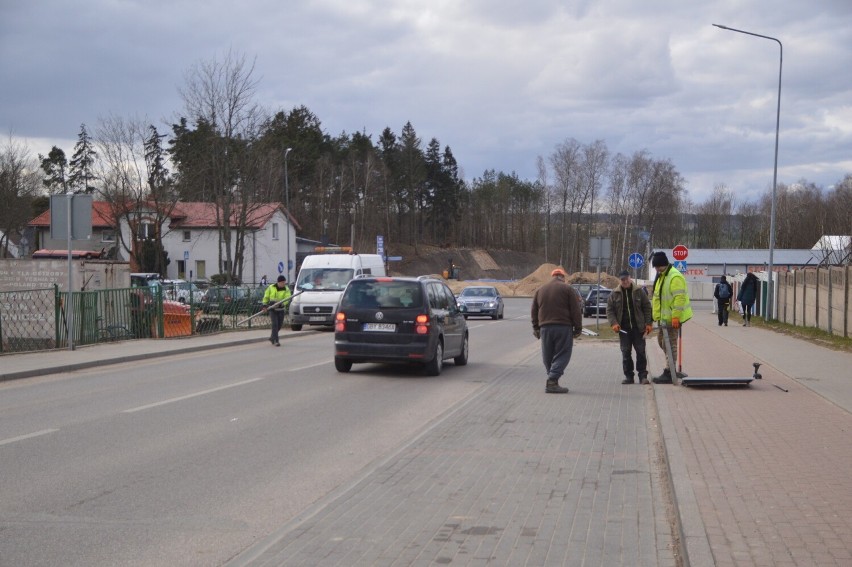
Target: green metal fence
34, 320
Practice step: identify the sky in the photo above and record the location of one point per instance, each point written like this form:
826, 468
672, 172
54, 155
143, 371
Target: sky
500, 82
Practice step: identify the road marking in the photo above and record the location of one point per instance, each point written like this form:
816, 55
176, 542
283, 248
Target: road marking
308, 366
188, 396
27, 436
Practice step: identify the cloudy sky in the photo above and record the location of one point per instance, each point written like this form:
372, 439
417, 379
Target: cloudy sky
499, 81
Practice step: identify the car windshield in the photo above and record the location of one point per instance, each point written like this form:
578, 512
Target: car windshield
479, 292
324, 279
382, 294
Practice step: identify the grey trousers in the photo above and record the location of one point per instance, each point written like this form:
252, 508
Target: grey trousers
557, 343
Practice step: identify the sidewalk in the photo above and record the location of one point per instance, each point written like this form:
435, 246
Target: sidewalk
515, 476
761, 476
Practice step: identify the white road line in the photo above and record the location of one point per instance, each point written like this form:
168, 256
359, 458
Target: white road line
27, 436
188, 396
308, 366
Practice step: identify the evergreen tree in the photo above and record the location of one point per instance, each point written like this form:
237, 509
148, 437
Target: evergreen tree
55, 167
81, 169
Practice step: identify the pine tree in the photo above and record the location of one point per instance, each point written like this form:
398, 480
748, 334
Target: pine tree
81, 169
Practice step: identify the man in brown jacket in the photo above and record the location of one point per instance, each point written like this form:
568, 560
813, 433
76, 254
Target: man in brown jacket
556, 319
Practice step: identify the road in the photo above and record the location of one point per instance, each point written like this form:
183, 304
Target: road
191, 459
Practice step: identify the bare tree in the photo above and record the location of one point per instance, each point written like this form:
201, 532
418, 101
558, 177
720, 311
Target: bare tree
221, 96
19, 185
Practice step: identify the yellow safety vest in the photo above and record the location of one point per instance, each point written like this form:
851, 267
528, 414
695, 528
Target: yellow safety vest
671, 298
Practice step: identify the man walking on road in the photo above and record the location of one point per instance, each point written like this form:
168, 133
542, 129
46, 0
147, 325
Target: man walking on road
276, 293
630, 314
671, 307
556, 319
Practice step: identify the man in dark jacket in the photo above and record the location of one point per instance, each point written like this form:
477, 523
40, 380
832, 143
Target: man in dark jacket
629, 312
556, 319
723, 294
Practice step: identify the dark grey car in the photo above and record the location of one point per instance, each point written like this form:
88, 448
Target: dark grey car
411, 320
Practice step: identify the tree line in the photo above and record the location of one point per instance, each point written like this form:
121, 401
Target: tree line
226, 149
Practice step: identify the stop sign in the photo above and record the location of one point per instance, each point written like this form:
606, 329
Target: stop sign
680, 252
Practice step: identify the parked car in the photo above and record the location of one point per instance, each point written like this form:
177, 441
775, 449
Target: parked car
399, 320
182, 291
231, 300
595, 304
481, 300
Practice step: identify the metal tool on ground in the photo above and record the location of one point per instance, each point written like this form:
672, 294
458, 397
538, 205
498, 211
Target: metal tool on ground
758, 376
723, 381
669, 356
270, 306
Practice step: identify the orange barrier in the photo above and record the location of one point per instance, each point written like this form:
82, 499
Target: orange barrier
176, 319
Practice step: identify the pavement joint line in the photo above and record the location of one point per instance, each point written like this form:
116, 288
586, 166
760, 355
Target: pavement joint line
256, 551
694, 541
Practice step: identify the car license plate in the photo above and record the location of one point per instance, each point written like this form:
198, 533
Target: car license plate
474, 309
381, 327
317, 318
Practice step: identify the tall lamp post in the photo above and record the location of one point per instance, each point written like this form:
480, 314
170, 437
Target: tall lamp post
287, 207
769, 291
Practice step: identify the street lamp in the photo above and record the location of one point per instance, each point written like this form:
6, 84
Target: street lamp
287, 208
769, 292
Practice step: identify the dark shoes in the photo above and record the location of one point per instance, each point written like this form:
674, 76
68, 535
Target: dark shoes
628, 380
664, 378
553, 387
644, 381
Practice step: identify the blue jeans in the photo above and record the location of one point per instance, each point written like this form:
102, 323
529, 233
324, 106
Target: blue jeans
557, 344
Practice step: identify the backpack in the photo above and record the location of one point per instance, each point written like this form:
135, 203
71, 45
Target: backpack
724, 291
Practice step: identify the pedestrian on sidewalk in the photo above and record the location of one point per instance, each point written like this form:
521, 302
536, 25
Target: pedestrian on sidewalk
277, 293
746, 297
557, 319
723, 294
263, 281
630, 315
670, 306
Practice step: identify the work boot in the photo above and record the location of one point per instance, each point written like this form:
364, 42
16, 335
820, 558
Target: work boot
627, 380
664, 378
553, 387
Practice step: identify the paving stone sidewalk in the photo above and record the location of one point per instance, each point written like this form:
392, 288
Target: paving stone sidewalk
512, 476
767, 470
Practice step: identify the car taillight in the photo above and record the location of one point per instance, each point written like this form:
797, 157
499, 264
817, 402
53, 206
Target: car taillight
340, 322
421, 324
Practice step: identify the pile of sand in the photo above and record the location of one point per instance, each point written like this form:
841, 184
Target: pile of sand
527, 286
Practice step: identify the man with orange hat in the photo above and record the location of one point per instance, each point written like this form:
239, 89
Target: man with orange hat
557, 319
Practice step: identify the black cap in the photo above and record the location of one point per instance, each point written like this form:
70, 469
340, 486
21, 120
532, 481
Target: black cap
282, 279
623, 274
659, 259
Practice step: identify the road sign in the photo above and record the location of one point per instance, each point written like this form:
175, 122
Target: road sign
636, 260
280, 267
380, 245
680, 252
600, 251
680, 265
185, 255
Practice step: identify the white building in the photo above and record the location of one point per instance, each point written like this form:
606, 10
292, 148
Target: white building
191, 236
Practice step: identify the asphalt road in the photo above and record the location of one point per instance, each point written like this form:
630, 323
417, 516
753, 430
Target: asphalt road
191, 459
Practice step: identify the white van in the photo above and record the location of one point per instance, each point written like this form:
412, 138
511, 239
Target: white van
321, 281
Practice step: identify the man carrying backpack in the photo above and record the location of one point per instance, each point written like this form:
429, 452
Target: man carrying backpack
723, 294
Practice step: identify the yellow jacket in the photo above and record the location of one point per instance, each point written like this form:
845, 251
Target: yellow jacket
273, 295
671, 299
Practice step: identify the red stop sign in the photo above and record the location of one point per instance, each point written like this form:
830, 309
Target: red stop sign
680, 252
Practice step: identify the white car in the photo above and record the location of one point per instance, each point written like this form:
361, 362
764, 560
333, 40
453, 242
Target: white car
182, 291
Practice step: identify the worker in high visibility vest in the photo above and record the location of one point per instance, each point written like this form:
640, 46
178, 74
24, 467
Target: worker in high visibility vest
275, 302
671, 307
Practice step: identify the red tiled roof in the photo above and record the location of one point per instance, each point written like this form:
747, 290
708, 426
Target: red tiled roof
184, 215
101, 216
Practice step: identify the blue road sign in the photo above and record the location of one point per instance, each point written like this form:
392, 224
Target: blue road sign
280, 267
636, 260
680, 265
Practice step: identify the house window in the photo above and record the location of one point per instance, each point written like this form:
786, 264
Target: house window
275, 231
108, 236
200, 269
145, 230
187, 235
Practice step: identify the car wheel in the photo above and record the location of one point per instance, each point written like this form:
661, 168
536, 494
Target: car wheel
433, 367
342, 364
501, 314
295, 327
494, 317
461, 359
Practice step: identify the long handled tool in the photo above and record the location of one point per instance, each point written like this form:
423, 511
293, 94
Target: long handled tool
680, 350
271, 306
669, 356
